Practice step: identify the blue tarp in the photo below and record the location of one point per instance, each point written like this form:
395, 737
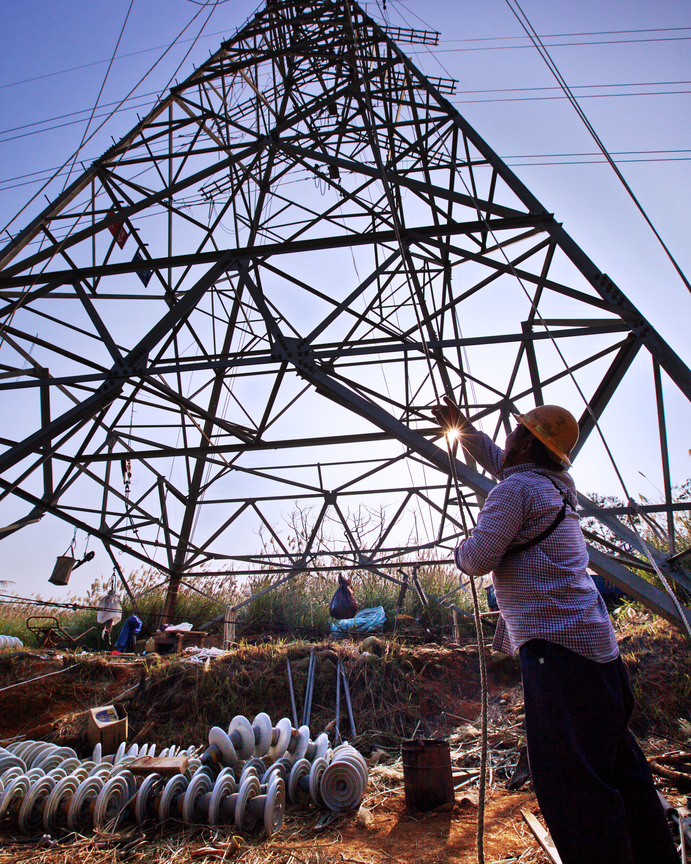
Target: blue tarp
610, 593
128, 634
365, 621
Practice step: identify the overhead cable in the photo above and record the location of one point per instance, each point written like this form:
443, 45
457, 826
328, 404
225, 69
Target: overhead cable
131, 91
551, 65
98, 98
122, 105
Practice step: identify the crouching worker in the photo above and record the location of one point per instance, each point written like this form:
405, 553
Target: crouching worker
591, 779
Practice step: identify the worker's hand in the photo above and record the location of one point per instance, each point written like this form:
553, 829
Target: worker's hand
448, 415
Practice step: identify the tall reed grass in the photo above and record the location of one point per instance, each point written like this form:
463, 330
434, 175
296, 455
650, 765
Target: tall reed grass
299, 606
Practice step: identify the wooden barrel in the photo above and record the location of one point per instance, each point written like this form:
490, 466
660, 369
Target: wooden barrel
427, 774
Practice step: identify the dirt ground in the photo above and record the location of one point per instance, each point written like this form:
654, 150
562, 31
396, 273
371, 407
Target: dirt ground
392, 837
438, 838
52, 705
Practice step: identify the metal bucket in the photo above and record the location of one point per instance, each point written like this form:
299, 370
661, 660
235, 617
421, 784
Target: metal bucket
427, 774
62, 570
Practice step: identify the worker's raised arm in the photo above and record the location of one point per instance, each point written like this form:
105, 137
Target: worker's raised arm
478, 445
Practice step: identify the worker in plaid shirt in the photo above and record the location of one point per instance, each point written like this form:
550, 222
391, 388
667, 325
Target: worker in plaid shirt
591, 778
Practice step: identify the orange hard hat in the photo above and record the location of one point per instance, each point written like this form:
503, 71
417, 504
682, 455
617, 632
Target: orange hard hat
556, 427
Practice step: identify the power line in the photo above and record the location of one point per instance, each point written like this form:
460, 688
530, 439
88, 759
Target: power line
578, 87
123, 106
589, 162
589, 42
80, 111
523, 20
222, 33
140, 81
100, 93
101, 62
77, 116
427, 25
555, 98
11, 600
569, 35
555, 159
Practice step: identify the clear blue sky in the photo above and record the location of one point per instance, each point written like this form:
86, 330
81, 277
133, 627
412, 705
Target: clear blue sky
629, 64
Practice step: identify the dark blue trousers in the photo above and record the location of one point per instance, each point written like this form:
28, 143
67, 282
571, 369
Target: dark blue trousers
591, 779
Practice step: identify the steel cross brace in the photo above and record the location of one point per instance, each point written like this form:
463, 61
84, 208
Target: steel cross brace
654, 599
110, 389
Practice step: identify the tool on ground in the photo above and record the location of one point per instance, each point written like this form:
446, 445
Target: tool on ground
309, 689
49, 632
292, 692
337, 730
346, 691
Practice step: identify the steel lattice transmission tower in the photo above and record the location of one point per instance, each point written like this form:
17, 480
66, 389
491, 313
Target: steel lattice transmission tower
220, 345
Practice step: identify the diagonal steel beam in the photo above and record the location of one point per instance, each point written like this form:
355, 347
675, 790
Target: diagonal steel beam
653, 598
110, 390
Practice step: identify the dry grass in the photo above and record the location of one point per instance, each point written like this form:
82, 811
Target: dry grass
299, 606
395, 694
657, 657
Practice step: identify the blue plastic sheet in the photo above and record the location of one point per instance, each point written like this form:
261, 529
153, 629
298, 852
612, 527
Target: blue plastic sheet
365, 621
610, 593
128, 634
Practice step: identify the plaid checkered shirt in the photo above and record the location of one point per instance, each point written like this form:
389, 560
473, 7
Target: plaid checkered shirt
545, 591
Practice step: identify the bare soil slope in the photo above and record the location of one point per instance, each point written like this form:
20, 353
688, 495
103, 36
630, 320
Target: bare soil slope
397, 692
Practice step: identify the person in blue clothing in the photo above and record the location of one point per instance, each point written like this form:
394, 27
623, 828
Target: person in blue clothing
128, 635
590, 777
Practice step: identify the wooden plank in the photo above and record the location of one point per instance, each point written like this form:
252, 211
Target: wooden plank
166, 766
541, 836
229, 628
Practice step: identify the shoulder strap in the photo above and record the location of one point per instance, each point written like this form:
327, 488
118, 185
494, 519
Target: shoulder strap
515, 548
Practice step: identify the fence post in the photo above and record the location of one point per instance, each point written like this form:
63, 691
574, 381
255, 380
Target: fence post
229, 628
